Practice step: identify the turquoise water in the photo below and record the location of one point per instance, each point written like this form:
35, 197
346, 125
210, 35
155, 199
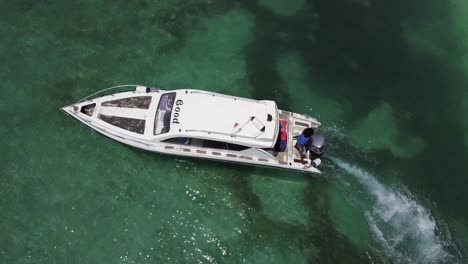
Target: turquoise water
386, 78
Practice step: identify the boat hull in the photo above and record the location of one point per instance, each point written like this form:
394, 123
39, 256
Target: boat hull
179, 151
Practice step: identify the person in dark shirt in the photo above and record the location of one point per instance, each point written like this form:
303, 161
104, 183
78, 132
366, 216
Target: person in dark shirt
302, 140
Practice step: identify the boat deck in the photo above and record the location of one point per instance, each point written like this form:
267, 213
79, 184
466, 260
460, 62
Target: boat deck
295, 126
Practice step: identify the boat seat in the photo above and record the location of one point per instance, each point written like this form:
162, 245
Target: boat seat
283, 135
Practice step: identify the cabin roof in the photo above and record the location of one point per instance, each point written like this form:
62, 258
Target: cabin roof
224, 118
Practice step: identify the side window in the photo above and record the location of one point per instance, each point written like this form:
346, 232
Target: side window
179, 140
214, 144
223, 145
205, 143
236, 147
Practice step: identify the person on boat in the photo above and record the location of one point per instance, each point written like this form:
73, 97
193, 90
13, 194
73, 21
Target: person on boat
302, 140
282, 141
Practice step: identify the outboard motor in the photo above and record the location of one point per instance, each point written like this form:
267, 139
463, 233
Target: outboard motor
316, 145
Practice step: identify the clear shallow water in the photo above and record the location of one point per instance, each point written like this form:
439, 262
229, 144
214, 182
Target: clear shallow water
374, 73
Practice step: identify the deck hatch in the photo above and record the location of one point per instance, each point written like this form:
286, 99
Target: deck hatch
88, 109
130, 124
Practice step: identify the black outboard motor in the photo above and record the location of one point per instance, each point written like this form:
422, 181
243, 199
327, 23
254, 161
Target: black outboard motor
316, 146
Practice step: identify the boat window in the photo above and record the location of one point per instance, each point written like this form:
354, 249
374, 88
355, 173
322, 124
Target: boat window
179, 140
205, 143
214, 144
162, 120
236, 147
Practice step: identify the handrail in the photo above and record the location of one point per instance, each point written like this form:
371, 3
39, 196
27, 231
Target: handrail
223, 95
110, 88
226, 134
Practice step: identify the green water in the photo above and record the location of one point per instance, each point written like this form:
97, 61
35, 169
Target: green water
386, 78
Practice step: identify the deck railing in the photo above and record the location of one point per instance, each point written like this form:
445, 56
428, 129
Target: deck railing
110, 90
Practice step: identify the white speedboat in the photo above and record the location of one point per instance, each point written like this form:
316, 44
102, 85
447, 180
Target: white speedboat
201, 124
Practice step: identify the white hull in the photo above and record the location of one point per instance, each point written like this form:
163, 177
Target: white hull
148, 142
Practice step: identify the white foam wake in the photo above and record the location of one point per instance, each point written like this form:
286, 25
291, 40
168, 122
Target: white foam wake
404, 229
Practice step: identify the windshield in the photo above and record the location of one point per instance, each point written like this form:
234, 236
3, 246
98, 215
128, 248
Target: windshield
162, 120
